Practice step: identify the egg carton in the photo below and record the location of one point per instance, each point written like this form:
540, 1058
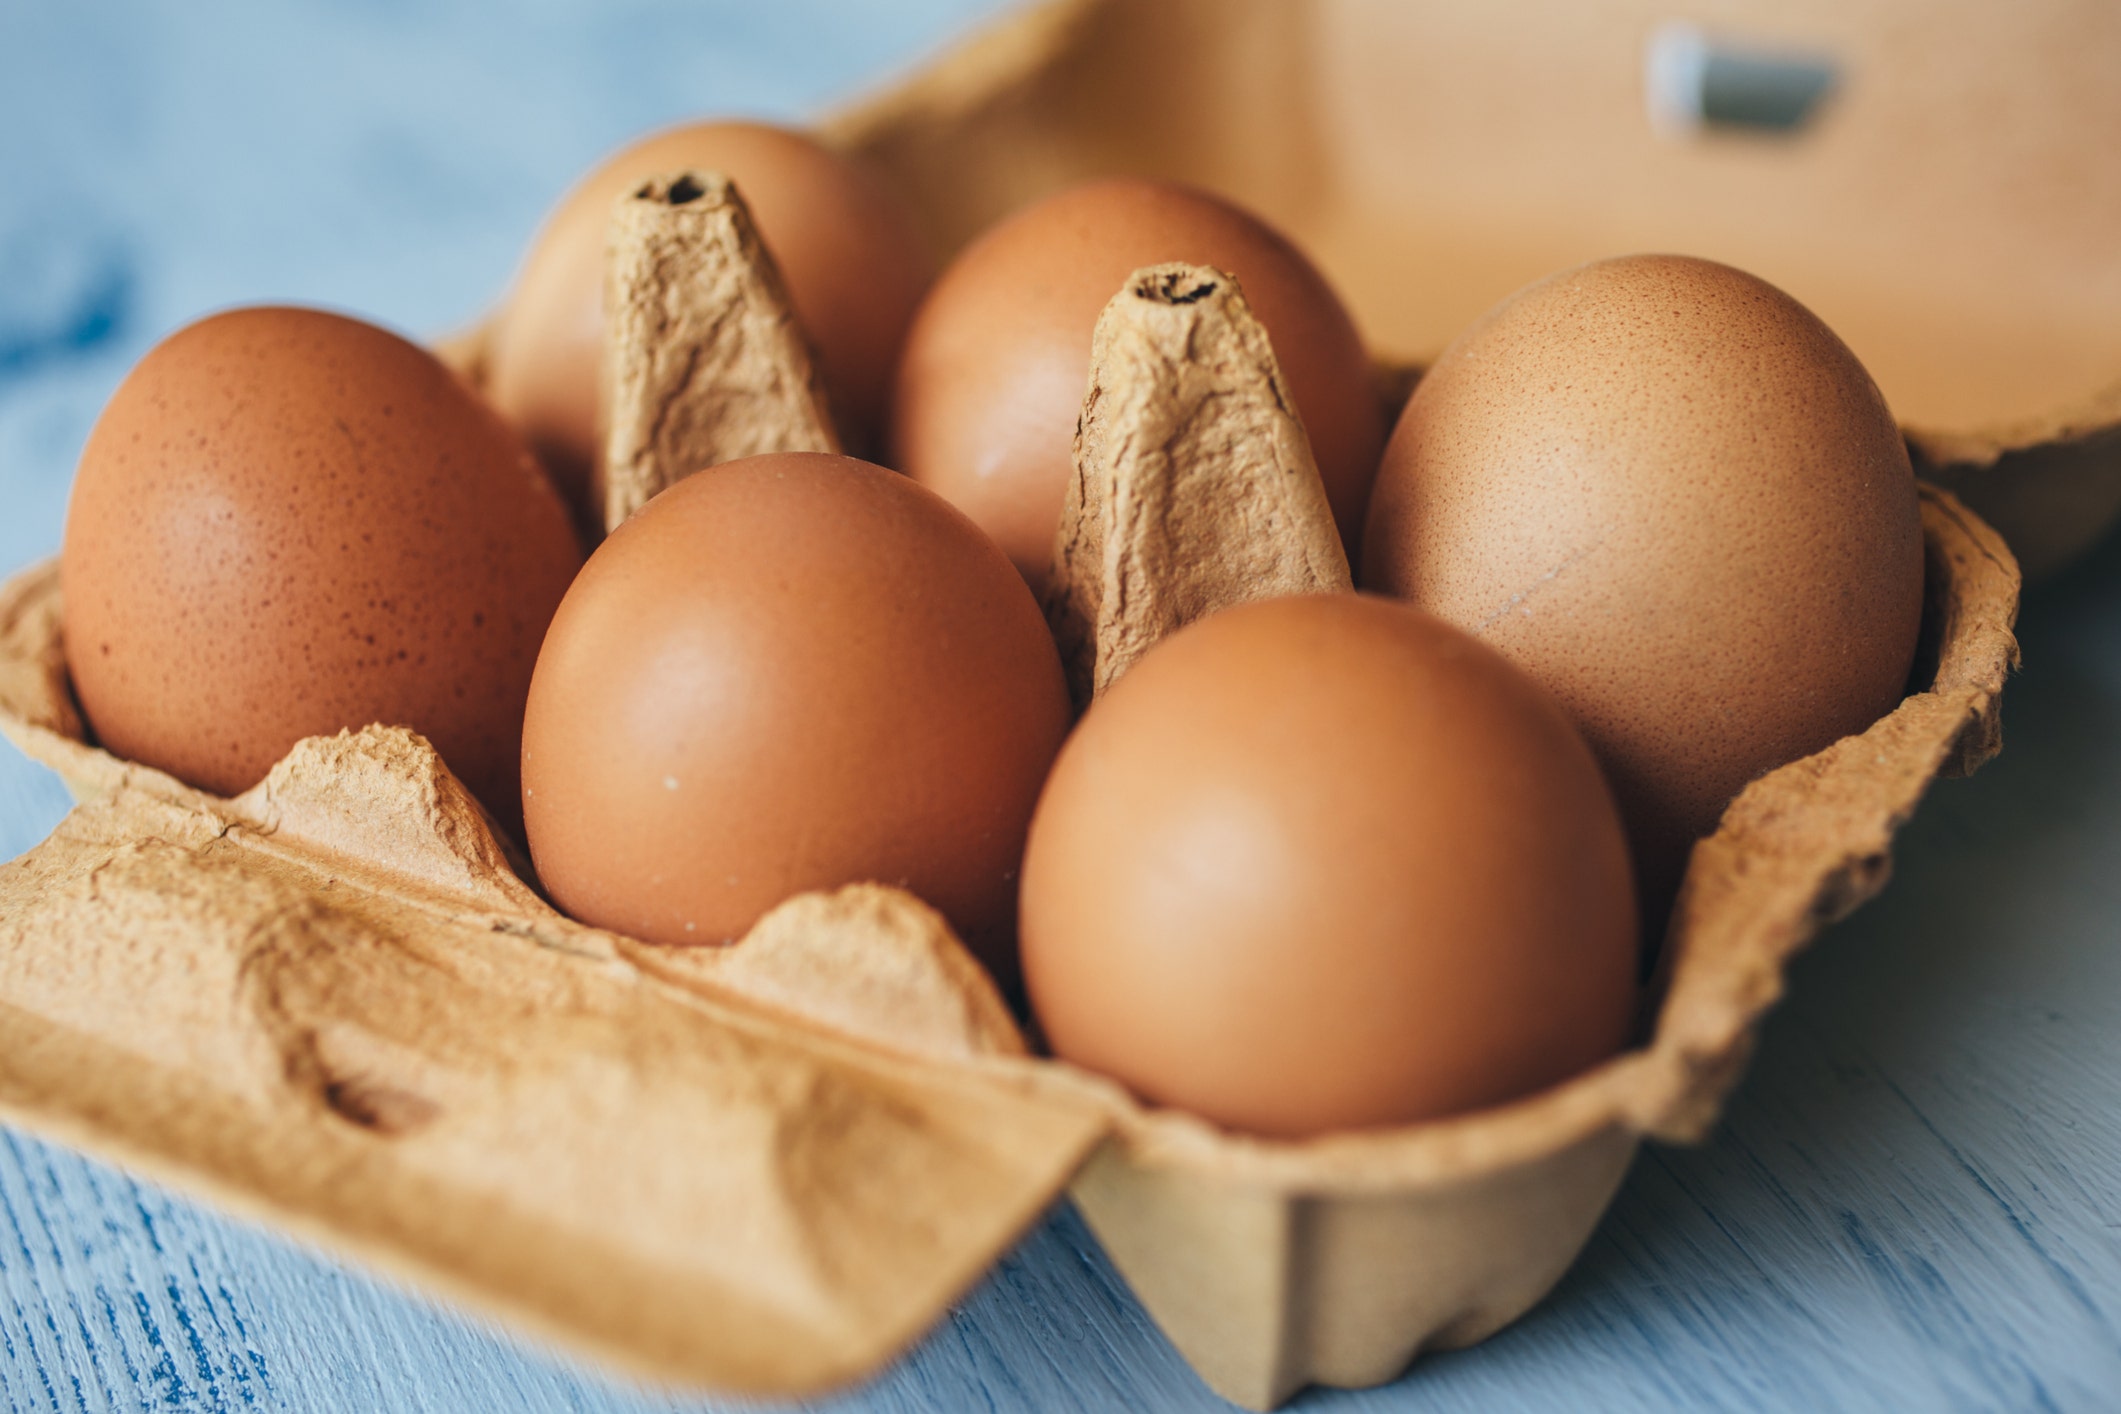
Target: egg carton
331, 1001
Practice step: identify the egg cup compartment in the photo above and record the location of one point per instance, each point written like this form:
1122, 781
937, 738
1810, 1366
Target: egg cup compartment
329, 1002
1338, 1260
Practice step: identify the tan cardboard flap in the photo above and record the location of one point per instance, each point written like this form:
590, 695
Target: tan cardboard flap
1949, 215
37, 708
326, 1002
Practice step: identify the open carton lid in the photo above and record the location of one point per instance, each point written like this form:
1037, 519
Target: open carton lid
1943, 196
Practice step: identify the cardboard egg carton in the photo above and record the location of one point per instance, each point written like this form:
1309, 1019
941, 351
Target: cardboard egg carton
332, 1002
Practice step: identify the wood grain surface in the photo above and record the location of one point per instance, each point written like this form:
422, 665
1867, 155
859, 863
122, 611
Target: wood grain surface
1914, 1203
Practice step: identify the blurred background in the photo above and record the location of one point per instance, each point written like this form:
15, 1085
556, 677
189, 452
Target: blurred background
1915, 1201
386, 157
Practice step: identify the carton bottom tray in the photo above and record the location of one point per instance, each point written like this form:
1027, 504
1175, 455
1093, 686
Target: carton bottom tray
1269, 1291
331, 1003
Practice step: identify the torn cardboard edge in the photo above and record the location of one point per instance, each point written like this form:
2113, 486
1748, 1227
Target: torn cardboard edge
1978, 449
2051, 485
1194, 486
328, 1002
704, 361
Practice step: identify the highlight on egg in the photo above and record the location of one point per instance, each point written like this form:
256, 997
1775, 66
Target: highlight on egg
996, 362
789, 673
1326, 863
288, 523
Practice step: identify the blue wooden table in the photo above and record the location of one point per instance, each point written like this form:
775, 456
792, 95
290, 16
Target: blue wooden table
1914, 1203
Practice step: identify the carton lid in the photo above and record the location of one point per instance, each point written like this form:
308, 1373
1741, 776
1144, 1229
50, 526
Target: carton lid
1943, 195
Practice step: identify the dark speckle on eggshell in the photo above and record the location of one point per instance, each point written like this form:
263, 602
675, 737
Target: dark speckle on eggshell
262, 552
1670, 493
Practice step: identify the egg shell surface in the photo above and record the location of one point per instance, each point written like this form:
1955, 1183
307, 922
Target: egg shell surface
1669, 493
1327, 863
287, 523
790, 672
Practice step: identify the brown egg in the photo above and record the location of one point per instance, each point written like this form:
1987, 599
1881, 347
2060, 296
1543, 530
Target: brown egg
287, 523
1325, 863
998, 359
846, 246
1665, 490
791, 672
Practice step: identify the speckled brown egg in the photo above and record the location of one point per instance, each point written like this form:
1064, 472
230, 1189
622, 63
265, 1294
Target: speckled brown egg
998, 359
847, 248
1328, 863
1669, 493
287, 523
790, 672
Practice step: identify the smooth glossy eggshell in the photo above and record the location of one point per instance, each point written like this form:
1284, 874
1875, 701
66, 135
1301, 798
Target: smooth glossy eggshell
1327, 863
790, 672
